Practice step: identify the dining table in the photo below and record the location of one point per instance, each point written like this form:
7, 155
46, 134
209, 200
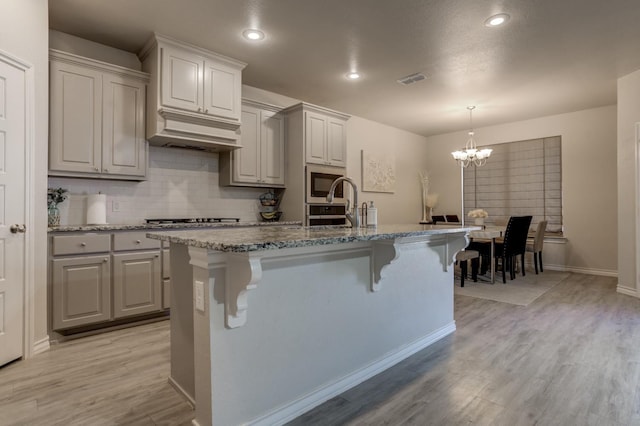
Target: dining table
489, 233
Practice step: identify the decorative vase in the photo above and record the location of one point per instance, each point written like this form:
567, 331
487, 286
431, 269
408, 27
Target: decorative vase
479, 221
54, 215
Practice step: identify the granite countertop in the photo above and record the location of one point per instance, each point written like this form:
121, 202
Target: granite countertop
268, 238
166, 226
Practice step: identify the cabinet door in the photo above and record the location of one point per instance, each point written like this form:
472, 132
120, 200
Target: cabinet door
137, 284
76, 118
316, 138
246, 160
81, 291
336, 142
222, 86
181, 80
123, 143
272, 148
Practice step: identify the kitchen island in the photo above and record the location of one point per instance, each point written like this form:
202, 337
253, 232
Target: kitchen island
267, 323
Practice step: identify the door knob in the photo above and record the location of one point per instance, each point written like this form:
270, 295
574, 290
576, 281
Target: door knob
18, 228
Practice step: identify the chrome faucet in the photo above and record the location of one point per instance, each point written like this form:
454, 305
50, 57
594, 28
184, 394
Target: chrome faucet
352, 217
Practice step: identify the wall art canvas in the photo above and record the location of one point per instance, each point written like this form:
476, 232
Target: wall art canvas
378, 172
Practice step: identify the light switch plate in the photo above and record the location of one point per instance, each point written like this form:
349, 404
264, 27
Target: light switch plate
199, 292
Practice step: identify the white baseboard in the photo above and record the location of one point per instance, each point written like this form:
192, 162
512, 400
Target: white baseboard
290, 411
588, 271
626, 290
40, 346
183, 393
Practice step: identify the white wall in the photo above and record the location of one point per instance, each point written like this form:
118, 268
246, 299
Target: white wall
628, 116
24, 34
589, 180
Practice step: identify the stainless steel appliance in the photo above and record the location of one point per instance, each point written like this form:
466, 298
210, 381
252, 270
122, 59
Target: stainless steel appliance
319, 180
326, 214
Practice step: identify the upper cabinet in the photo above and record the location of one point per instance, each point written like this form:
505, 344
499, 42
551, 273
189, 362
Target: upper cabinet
260, 162
194, 98
324, 133
96, 119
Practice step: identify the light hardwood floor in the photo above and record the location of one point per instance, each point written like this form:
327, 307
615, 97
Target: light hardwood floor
572, 357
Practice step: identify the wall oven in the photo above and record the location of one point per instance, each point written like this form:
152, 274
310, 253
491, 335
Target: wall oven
326, 214
319, 180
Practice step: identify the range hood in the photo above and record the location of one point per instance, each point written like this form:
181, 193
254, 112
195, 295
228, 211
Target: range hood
187, 130
194, 96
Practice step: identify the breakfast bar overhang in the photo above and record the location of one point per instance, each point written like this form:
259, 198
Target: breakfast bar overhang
268, 322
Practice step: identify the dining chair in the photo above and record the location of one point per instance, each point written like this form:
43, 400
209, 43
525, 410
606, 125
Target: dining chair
535, 246
437, 218
462, 257
452, 218
514, 244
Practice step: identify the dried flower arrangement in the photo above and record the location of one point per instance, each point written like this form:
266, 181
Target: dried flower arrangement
478, 213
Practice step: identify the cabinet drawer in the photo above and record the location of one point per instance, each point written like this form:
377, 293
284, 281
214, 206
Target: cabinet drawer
133, 241
80, 244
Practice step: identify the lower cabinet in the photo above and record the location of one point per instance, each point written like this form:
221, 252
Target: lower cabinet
81, 290
137, 286
102, 277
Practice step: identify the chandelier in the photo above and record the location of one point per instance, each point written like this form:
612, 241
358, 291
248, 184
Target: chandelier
471, 154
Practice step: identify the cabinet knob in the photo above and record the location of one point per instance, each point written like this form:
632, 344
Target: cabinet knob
199, 109
105, 260
106, 170
96, 169
83, 244
206, 110
157, 255
138, 241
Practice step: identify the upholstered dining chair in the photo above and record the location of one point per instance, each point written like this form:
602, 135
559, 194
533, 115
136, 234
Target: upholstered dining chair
535, 246
462, 257
514, 244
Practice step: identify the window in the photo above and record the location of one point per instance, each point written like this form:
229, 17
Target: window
520, 178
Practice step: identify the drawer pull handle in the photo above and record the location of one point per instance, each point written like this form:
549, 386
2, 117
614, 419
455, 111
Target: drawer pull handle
83, 244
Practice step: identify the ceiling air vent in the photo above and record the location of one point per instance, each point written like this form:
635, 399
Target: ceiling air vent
413, 78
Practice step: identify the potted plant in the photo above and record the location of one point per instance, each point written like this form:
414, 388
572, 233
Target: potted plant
479, 215
54, 197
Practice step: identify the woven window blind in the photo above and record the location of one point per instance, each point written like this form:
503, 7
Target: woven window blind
520, 178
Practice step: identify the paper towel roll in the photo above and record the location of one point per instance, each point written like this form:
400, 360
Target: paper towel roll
96, 209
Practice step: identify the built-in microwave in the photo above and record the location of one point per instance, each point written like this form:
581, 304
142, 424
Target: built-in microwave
319, 180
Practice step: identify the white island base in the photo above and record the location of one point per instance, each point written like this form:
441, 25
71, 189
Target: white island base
277, 332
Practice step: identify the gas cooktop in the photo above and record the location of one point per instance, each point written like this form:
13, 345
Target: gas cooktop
195, 220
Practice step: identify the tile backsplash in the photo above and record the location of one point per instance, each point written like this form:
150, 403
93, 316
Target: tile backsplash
180, 183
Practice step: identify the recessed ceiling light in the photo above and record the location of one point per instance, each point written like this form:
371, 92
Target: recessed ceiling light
497, 20
353, 75
253, 35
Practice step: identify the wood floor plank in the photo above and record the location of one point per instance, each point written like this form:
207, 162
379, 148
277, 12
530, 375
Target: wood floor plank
569, 358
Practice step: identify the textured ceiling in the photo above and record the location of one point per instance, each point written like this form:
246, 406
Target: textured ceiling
553, 56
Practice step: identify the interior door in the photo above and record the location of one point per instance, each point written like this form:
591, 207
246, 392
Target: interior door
13, 143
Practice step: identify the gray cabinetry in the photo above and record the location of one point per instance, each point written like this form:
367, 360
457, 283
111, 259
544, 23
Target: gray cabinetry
194, 96
261, 160
105, 276
137, 287
81, 290
166, 278
97, 119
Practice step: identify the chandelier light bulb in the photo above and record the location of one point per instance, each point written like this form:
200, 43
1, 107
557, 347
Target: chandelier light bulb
471, 154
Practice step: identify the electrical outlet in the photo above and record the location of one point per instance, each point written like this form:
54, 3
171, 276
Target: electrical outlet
115, 206
199, 291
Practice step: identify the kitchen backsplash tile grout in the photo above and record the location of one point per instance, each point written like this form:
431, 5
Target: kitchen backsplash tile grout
181, 183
